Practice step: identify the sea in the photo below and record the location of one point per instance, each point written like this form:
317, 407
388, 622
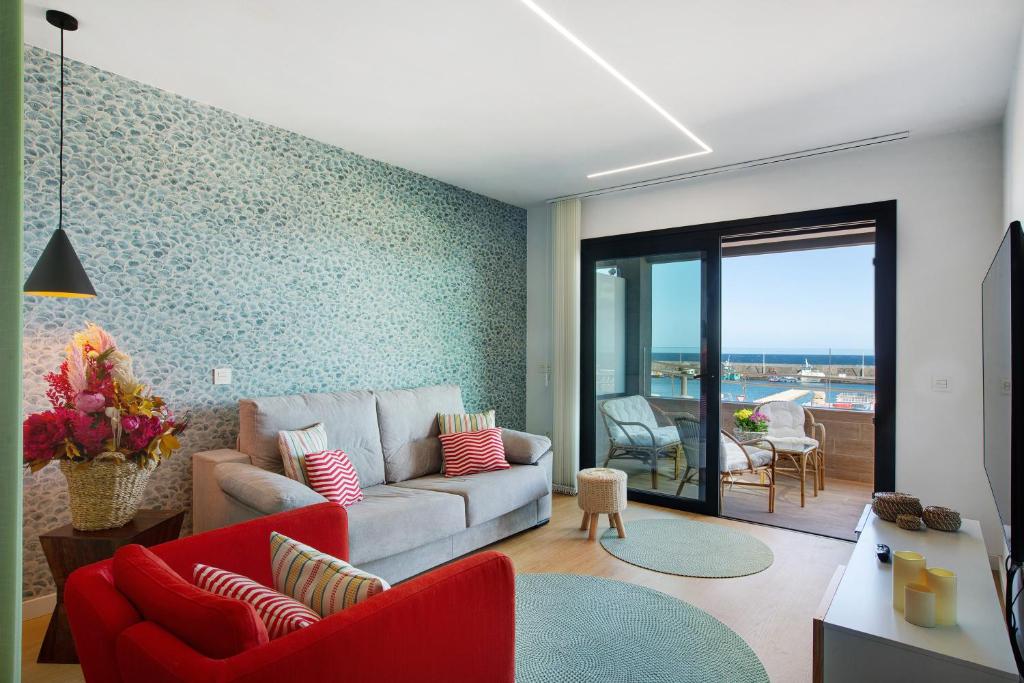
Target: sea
819, 360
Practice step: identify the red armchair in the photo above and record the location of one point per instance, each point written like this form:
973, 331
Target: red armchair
456, 623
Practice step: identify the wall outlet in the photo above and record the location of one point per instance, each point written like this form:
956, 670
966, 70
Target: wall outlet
222, 375
941, 384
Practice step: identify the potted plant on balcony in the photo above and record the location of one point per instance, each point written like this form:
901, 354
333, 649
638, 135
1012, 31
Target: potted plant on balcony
107, 430
750, 424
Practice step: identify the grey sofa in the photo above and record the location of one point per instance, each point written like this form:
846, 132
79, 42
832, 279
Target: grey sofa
412, 517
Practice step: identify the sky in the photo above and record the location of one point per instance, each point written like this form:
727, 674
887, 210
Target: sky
793, 302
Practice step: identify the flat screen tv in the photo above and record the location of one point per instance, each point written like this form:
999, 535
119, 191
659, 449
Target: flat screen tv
1002, 311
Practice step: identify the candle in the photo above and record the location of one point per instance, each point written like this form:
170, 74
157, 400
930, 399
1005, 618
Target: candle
919, 605
907, 567
942, 582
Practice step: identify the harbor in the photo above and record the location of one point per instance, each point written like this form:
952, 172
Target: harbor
847, 386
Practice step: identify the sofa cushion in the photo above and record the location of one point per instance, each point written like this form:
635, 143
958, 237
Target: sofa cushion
488, 494
350, 419
523, 448
463, 422
214, 625
320, 581
471, 452
390, 520
295, 444
408, 429
281, 614
332, 476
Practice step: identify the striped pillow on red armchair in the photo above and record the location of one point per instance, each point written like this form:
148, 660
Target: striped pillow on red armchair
332, 475
473, 452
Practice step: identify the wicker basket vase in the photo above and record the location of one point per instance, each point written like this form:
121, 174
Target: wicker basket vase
105, 492
891, 504
941, 519
748, 436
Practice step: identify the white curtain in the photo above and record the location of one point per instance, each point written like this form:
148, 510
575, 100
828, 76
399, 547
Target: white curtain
566, 232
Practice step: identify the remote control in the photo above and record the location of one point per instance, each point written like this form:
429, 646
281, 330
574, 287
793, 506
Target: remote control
882, 551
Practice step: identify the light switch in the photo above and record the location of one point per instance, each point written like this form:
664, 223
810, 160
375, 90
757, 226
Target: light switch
222, 375
940, 384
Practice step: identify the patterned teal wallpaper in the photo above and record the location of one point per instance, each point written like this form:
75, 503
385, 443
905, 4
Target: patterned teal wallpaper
213, 240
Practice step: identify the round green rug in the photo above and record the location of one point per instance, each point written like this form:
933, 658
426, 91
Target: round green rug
582, 629
679, 546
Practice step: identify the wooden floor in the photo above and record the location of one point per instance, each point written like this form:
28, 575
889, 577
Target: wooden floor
771, 610
31, 639
833, 513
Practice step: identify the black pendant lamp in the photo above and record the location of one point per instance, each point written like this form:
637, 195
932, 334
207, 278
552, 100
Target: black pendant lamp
58, 271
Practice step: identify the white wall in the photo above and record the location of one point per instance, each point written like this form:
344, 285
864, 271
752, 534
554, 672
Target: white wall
950, 220
1013, 147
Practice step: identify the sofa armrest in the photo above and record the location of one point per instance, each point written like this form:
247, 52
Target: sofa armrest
523, 448
265, 492
208, 502
97, 613
403, 635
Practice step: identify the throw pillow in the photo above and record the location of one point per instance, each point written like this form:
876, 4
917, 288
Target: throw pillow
469, 422
331, 474
216, 626
295, 445
321, 582
472, 452
279, 613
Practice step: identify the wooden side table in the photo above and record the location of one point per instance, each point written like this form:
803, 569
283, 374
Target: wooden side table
67, 549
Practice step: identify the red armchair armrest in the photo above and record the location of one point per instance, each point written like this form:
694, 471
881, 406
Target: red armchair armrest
456, 623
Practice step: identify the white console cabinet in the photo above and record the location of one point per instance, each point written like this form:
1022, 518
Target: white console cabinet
860, 637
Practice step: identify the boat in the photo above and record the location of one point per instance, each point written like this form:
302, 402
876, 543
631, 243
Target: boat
854, 400
809, 375
728, 373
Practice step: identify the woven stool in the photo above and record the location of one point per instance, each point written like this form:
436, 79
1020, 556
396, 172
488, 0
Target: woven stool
602, 491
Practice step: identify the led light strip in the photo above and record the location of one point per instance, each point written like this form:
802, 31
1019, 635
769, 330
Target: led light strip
586, 49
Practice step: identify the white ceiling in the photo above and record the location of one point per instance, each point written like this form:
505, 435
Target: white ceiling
484, 95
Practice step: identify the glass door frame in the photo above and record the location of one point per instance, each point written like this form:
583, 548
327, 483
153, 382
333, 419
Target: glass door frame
708, 245
708, 238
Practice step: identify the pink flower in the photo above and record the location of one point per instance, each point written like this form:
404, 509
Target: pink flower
90, 402
147, 430
89, 431
130, 423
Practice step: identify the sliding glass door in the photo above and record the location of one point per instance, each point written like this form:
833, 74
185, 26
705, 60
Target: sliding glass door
651, 385
652, 374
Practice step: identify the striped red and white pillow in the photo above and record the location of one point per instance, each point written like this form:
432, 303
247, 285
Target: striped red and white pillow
472, 452
332, 475
279, 613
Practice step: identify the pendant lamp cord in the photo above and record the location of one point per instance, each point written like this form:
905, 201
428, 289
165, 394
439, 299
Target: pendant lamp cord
60, 191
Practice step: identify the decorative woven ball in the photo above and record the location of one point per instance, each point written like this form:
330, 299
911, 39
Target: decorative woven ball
601, 489
908, 522
891, 504
941, 519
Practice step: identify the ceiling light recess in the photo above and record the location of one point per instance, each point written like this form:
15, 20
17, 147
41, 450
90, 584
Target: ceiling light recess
587, 50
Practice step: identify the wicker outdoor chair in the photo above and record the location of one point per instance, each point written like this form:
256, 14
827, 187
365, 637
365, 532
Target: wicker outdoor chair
736, 458
799, 440
634, 432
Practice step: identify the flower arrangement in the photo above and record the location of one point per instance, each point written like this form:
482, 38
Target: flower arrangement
99, 408
750, 421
